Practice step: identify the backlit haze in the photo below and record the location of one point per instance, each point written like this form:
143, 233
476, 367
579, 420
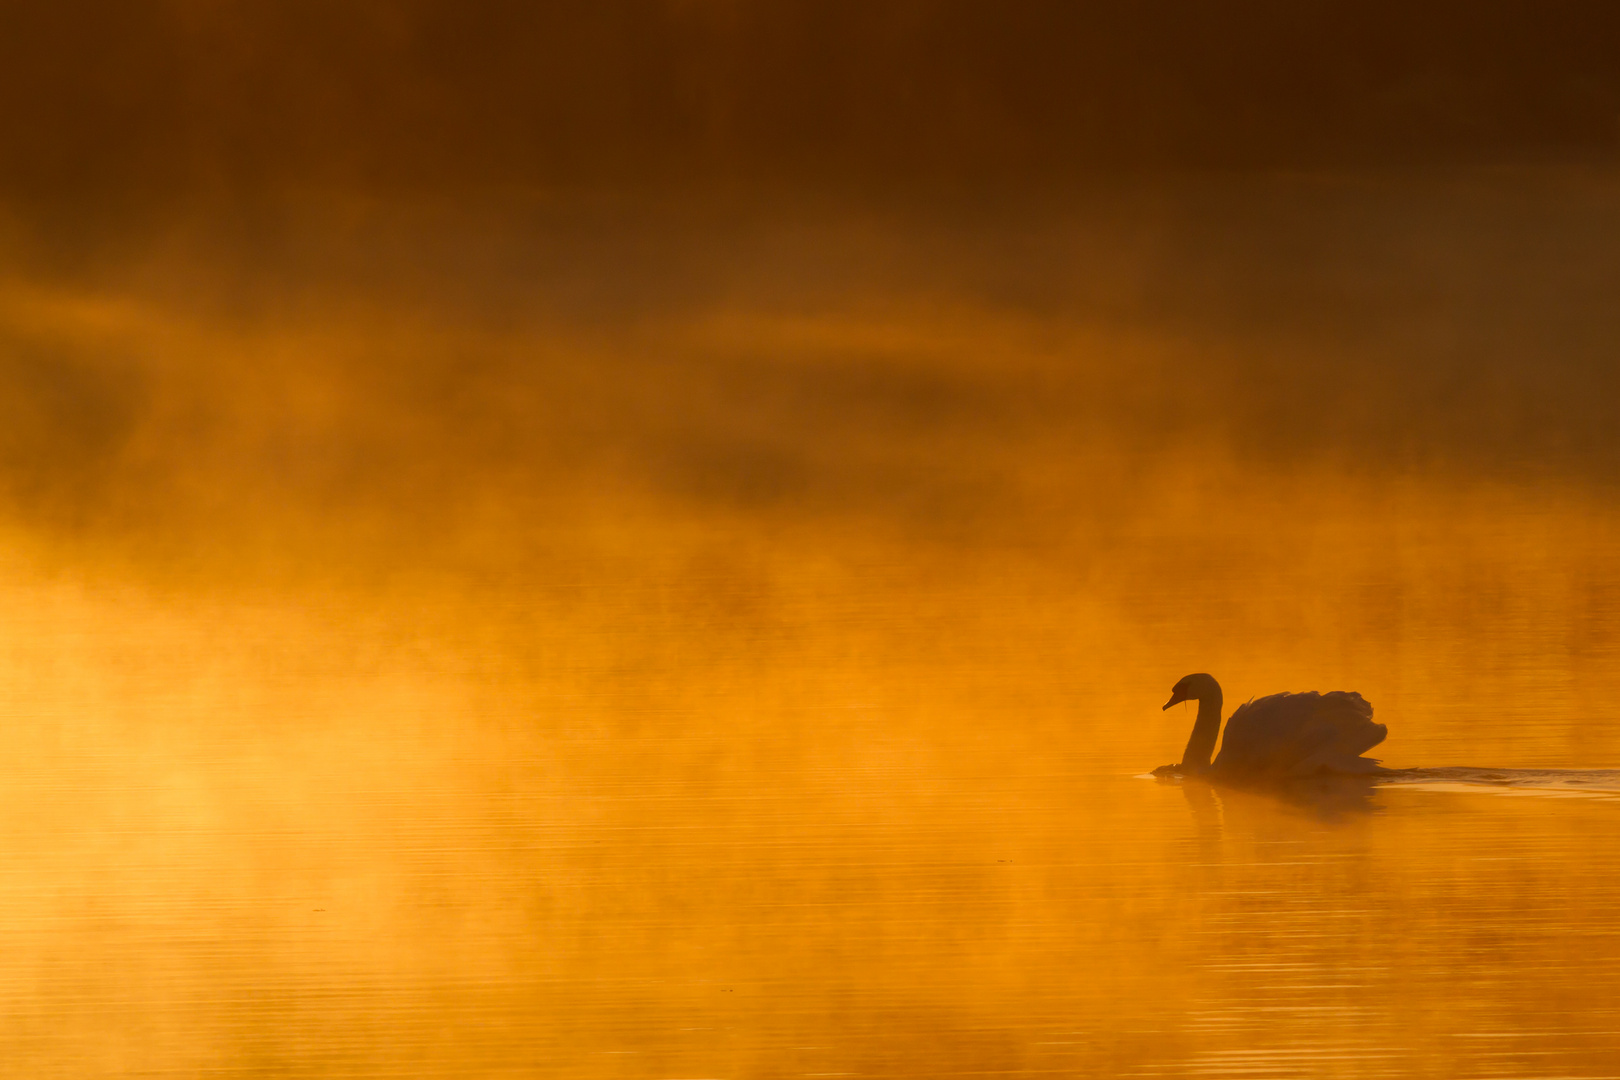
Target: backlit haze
650, 541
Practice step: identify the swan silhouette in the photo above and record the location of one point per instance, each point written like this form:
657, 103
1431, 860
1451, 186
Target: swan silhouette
1280, 736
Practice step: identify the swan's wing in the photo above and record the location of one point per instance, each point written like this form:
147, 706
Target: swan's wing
1265, 734
1291, 734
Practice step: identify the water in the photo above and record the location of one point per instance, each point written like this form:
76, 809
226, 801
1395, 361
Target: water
316, 917
281, 849
761, 683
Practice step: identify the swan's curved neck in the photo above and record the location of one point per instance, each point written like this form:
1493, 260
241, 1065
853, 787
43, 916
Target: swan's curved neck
1206, 729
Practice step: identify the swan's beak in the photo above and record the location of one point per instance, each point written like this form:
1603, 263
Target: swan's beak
1175, 699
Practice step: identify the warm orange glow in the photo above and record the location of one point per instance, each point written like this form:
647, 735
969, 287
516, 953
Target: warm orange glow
648, 539
755, 682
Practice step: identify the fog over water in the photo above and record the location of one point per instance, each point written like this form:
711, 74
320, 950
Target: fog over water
654, 549
631, 639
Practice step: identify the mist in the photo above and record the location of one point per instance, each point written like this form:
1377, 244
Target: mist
728, 420
650, 541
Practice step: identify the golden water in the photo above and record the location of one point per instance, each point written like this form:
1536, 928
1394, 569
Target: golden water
762, 688
256, 853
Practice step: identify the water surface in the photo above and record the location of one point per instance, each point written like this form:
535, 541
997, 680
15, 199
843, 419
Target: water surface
751, 672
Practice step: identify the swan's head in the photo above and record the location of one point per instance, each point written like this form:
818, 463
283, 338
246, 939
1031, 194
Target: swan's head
1198, 687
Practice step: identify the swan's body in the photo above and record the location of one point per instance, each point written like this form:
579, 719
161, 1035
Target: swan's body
1284, 735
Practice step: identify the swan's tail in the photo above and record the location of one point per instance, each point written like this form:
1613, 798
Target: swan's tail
1344, 722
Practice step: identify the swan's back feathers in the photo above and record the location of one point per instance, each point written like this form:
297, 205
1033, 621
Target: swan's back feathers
1301, 734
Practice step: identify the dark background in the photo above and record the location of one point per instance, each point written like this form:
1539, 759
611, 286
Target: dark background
373, 261
157, 101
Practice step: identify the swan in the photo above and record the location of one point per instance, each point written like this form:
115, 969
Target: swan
1283, 735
